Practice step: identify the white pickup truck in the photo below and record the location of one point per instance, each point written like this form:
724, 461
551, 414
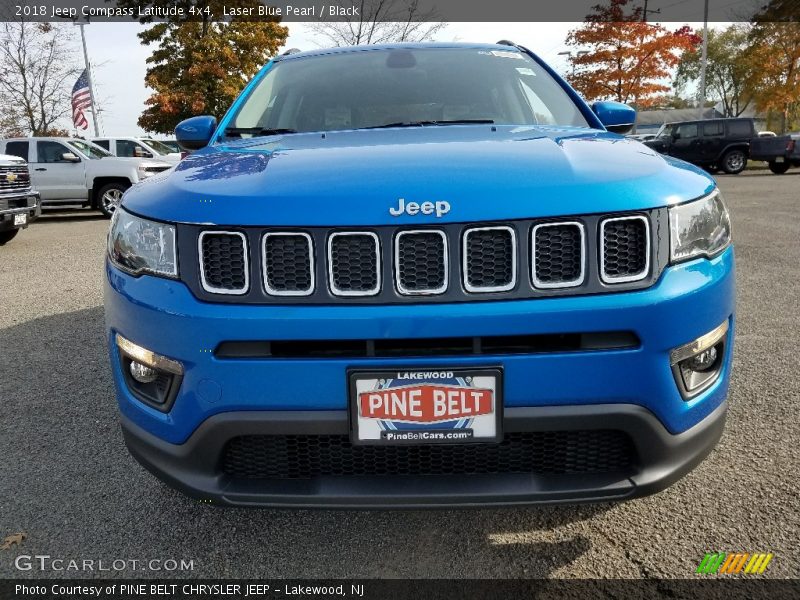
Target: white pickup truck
138, 148
74, 171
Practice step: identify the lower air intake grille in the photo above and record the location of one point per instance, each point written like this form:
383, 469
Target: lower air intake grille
311, 456
490, 259
354, 264
625, 251
558, 255
288, 264
421, 262
223, 262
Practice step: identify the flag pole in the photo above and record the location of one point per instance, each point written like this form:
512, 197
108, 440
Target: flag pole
81, 23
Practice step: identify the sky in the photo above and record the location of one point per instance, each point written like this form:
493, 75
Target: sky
118, 59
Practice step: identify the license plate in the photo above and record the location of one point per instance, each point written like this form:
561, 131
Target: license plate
20, 219
426, 406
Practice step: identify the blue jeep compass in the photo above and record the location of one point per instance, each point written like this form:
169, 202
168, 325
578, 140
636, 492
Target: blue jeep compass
419, 275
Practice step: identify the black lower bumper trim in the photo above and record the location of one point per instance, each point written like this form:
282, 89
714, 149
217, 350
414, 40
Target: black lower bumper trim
195, 466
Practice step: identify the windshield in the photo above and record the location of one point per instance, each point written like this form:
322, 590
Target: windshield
158, 146
404, 87
665, 131
88, 149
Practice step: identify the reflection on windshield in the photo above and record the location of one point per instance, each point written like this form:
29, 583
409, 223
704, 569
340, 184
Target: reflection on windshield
88, 149
158, 146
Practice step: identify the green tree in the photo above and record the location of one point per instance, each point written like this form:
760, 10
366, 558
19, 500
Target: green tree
201, 65
727, 72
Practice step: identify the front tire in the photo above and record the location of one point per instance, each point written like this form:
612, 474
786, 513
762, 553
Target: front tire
7, 236
734, 162
778, 168
109, 197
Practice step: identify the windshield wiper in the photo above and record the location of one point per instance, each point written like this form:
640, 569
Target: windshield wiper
257, 131
434, 123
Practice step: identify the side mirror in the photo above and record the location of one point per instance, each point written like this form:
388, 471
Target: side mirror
70, 157
139, 153
195, 133
615, 116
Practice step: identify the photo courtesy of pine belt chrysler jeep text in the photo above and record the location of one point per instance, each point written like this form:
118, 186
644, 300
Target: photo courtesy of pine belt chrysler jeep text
419, 275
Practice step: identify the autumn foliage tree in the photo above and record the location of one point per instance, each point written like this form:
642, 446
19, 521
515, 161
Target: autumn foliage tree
624, 58
774, 56
201, 65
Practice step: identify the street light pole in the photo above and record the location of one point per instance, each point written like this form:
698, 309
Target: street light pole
703, 60
81, 24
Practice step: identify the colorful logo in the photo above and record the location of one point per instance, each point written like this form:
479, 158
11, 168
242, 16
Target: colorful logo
720, 563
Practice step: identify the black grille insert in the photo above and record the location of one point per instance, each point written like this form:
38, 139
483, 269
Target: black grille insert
312, 456
14, 178
288, 264
625, 249
490, 259
458, 346
354, 264
558, 255
223, 262
421, 262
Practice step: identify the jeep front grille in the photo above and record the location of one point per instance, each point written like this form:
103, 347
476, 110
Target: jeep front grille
14, 179
453, 262
224, 267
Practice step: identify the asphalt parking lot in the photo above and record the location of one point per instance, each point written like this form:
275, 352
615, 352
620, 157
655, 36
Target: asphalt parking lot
67, 481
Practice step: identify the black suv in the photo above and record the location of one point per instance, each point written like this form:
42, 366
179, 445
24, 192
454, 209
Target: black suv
712, 144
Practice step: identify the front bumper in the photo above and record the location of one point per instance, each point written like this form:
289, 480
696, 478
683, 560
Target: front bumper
194, 466
29, 204
631, 390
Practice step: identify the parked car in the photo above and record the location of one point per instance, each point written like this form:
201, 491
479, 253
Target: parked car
641, 137
712, 143
132, 147
780, 152
74, 171
420, 275
19, 204
767, 134
172, 144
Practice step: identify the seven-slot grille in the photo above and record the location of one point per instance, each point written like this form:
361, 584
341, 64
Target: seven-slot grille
14, 178
224, 263
452, 262
625, 249
557, 255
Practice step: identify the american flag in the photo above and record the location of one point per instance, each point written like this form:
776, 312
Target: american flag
81, 99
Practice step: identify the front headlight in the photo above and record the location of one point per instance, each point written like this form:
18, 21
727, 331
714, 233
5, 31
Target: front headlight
699, 228
139, 246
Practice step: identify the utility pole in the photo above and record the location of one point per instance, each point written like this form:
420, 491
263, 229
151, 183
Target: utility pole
703, 60
645, 12
81, 23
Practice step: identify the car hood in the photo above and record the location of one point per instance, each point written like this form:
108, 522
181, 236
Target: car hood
354, 177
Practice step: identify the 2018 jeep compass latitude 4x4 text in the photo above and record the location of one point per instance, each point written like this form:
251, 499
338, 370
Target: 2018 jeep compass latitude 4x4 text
419, 275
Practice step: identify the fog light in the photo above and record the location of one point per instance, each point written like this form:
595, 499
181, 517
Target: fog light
152, 378
142, 373
698, 364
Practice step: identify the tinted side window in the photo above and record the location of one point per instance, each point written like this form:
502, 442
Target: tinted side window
739, 128
17, 149
50, 152
713, 128
102, 143
689, 130
125, 148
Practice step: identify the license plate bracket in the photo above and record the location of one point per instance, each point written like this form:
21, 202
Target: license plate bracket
426, 406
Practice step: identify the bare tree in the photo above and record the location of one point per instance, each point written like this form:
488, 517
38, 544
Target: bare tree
36, 75
379, 22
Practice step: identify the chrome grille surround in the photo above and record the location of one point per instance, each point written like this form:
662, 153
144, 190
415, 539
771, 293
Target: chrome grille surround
336, 291
265, 264
537, 283
398, 266
245, 252
602, 250
465, 260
